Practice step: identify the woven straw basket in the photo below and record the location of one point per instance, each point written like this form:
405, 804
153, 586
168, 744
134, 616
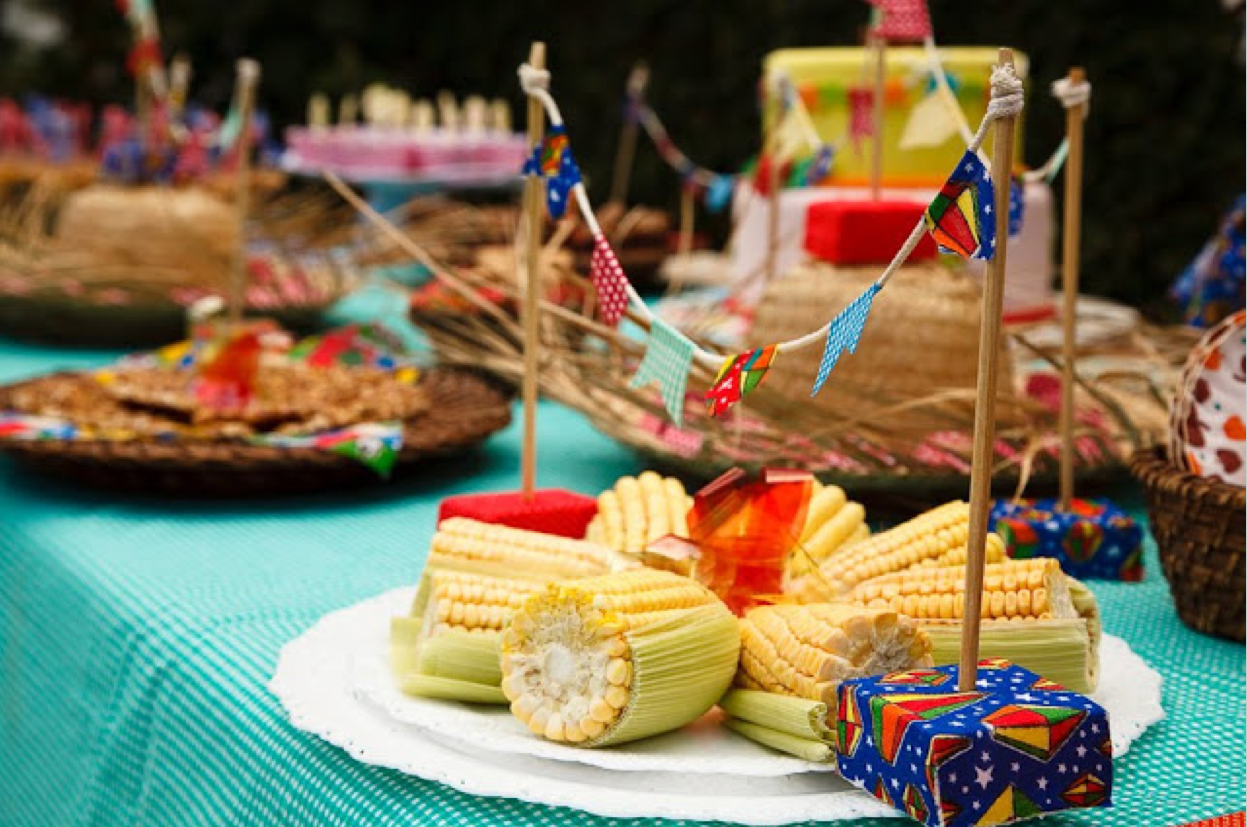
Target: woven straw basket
1198, 526
922, 338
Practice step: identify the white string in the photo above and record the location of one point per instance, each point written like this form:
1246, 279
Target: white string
1007, 100
1072, 94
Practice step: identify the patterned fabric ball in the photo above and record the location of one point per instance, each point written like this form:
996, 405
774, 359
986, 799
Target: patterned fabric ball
1208, 434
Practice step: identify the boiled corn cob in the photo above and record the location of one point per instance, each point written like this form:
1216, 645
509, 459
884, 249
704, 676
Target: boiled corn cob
611, 659
461, 543
1015, 590
1033, 613
831, 521
807, 650
799, 717
935, 537
807, 749
448, 646
639, 510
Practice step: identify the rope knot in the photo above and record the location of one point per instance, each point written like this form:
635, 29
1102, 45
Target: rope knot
1073, 94
1008, 96
533, 80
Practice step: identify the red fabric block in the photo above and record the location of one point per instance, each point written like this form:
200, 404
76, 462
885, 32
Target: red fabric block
863, 232
550, 510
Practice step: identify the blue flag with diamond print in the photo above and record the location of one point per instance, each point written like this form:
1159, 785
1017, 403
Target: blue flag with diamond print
843, 334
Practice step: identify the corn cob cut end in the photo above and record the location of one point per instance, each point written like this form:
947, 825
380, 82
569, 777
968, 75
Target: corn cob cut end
611, 659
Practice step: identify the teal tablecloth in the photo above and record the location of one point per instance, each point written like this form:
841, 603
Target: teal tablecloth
137, 636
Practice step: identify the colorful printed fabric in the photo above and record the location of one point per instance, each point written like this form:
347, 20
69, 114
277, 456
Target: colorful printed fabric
738, 377
375, 444
1093, 539
18, 426
609, 281
1208, 425
902, 20
961, 216
553, 160
370, 345
668, 356
1017, 746
844, 332
1212, 286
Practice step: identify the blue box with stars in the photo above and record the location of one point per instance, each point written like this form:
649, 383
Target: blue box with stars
1018, 746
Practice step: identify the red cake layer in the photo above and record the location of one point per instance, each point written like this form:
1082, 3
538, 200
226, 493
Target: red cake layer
550, 510
863, 232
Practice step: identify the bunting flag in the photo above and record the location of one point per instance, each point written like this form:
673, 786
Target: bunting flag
902, 20
719, 193
375, 444
738, 377
961, 217
1017, 205
553, 160
668, 356
843, 333
930, 123
609, 281
861, 113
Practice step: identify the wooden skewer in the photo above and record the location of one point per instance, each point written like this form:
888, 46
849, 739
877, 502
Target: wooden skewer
1069, 280
248, 72
622, 176
876, 158
985, 400
534, 195
686, 220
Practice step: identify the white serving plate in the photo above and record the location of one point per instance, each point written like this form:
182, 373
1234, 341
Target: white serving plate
333, 682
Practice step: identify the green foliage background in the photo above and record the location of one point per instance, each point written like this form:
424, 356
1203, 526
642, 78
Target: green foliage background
1165, 141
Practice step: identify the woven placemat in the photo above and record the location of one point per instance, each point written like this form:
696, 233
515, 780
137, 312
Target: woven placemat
464, 410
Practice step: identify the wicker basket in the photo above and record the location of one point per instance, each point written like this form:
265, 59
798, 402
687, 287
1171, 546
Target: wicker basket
923, 337
1198, 526
465, 410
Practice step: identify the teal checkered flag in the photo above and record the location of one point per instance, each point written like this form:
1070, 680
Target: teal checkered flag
843, 333
668, 356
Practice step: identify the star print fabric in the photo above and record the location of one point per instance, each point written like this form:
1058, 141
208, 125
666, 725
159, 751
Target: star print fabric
553, 161
1018, 746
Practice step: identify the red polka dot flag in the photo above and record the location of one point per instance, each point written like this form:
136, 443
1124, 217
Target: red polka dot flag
609, 281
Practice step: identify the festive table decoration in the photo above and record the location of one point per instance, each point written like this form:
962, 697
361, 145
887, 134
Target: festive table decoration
1013, 746
244, 414
1208, 434
1090, 538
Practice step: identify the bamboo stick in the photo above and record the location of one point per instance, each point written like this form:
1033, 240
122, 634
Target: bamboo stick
533, 209
248, 75
985, 401
876, 157
624, 156
1071, 232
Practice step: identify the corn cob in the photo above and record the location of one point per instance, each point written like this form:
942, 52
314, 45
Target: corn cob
939, 534
639, 510
799, 717
611, 659
807, 650
461, 543
1016, 590
807, 749
451, 636
1034, 615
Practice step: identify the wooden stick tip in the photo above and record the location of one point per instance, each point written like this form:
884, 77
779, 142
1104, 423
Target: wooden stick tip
1077, 74
248, 69
537, 54
1006, 56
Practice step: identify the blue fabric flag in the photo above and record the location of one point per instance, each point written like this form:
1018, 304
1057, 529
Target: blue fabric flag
553, 161
843, 334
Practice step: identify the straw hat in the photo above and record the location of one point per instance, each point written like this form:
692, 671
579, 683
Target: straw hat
921, 338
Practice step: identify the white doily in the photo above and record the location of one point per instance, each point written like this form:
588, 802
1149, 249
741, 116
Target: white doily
320, 675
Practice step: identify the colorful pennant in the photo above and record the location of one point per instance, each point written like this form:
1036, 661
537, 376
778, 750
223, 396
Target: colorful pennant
738, 377
930, 124
17, 426
861, 113
961, 216
903, 20
668, 356
553, 160
719, 193
609, 281
843, 333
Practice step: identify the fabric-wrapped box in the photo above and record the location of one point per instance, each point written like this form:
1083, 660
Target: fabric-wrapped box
1018, 746
1092, 539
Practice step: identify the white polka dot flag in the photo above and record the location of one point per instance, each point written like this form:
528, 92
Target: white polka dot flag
668, 356
608, 281
903, 20
843, 333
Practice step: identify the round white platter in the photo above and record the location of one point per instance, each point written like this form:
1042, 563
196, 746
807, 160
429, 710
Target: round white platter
333, 682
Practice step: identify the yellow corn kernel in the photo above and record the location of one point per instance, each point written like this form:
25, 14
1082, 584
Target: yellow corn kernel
503, 549
1015, 589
